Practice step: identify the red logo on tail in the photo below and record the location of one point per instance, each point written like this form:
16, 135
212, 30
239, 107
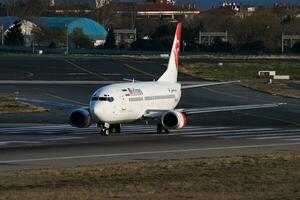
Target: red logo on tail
177, 45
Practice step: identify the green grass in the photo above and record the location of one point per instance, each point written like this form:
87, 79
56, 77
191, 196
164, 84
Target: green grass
244, 71
247, 72
268, 176
9, 106
244, 57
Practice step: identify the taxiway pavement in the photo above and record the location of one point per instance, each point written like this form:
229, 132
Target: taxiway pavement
42, 140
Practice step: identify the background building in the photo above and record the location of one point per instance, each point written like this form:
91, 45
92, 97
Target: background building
161, 9
26, 27
85, 3
90, 28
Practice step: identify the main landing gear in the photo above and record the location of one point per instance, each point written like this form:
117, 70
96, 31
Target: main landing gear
106, 129
161, 129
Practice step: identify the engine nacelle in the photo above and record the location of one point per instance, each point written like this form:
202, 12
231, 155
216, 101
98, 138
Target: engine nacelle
81, 118
173, 120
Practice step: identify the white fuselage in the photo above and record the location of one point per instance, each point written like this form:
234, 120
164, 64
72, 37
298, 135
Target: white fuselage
127, 102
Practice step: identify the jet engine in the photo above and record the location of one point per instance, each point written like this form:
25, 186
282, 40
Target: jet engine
81, 118
173, 120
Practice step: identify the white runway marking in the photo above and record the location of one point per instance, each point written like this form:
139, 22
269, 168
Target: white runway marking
85, 70
18, 142
63, 138
277, 137
66, 132
77, 74
125, 129
150, 152
294, 139
224, 132
264, 134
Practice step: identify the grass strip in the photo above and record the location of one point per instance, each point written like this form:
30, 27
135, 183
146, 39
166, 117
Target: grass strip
9, 106
265, 176
247, 72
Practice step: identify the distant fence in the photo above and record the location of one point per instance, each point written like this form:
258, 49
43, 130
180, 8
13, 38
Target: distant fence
30, 50
78, 51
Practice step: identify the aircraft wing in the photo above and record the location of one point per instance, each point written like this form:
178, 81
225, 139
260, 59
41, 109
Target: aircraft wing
207, 84
191, 111
50, 104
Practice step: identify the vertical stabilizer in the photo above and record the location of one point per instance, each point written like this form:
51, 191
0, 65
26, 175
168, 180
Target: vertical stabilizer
171, 73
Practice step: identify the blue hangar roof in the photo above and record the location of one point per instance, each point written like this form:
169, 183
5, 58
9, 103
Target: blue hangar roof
90, 27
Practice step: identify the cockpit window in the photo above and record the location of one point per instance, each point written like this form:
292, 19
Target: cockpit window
110, 99
95, 98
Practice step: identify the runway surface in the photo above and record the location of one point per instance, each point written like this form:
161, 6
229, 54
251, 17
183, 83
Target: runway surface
61, 145
44, 140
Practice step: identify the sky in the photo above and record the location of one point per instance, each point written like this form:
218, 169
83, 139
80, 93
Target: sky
204, 4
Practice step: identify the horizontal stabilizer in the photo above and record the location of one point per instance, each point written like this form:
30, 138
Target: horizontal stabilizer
208, 84
131, 80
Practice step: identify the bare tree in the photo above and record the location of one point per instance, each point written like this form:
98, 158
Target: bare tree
262, 26
52, 37
292, 27
144, 31
24, 8
33, 8
107, 15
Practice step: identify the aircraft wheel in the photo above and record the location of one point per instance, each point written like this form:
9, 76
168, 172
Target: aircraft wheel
111, 128
161, 129
118, 128
105, 131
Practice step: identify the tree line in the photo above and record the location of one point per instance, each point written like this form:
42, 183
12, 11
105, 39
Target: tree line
260, 32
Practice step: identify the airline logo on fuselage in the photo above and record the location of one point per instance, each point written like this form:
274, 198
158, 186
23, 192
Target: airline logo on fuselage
134, 92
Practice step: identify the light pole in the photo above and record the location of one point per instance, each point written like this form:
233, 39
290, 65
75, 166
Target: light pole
183, 45
33, 45
2, 34
67, 50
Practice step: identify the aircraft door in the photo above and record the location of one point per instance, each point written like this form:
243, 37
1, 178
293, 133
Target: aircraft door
124, 103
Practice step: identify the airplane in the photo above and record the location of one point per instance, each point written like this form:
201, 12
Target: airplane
115, 104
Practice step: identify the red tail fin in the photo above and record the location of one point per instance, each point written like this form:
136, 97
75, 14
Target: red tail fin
177, 44
171, 74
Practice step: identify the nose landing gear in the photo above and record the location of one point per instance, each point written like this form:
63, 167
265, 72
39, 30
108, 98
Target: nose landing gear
106, 129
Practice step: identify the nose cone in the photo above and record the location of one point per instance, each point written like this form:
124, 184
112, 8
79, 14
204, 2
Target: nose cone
96, 109
94, 101
100, 106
